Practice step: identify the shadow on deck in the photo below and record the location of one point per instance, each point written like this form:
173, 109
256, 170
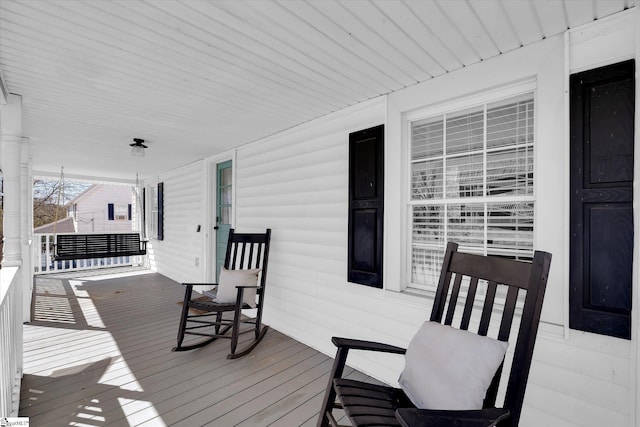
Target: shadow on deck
98, 353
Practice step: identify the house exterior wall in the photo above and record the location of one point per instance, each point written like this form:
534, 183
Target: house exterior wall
296, 183
179, 255
92, 212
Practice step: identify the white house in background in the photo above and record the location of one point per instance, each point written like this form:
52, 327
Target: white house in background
102, 208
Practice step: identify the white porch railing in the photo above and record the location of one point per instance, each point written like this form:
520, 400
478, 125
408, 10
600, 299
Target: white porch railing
10, 341
43, 262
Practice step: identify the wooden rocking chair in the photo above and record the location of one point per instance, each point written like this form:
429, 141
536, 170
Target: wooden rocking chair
243, 278
478, 367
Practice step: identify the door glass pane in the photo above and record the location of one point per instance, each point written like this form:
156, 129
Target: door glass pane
225, 195
226, 215
225, 176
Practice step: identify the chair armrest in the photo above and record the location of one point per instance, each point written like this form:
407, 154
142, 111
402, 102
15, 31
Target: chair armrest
412, 417
248, 287
199, 284
366, 345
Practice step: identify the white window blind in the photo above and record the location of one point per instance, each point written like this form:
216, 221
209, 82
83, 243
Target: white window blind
472, 183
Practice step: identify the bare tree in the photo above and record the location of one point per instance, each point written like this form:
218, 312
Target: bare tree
50, 199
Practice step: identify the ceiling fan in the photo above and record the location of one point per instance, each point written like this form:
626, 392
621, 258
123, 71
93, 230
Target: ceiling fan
137, 147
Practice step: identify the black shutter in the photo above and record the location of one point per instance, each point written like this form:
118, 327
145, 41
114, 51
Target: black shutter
144, 212
160, 235
110, 212
601, 242
366, 205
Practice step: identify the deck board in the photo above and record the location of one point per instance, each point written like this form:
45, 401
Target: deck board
98, 353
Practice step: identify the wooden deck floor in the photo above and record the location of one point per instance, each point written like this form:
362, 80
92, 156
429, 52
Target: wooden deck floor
98, 353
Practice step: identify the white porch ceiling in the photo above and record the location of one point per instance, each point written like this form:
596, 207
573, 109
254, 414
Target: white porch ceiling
195, 78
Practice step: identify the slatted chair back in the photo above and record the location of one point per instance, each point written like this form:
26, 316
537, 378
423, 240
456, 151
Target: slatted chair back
247, 251
494, 287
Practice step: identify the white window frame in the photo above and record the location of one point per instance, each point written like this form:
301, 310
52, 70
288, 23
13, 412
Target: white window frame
448, 107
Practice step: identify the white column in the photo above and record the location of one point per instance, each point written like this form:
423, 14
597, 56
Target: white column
11, 173
26, 229
14, 161
635, 371
12, 146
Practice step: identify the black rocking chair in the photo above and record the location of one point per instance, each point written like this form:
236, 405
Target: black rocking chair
246, 257
367, 404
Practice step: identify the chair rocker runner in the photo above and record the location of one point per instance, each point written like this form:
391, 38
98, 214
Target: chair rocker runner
451, 375
242, 280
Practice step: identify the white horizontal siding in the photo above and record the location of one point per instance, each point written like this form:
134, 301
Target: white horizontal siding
583, 381
296, 183
184, 208
92, 208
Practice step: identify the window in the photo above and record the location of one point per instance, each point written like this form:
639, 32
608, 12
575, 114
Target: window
471, 174
156, 219
121, 212
153, 212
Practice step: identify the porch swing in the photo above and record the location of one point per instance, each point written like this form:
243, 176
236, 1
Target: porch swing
86, 246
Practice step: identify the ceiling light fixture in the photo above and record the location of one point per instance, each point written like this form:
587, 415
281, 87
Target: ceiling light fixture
137, 147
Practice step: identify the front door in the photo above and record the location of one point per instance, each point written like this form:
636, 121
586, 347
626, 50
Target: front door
223, 211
